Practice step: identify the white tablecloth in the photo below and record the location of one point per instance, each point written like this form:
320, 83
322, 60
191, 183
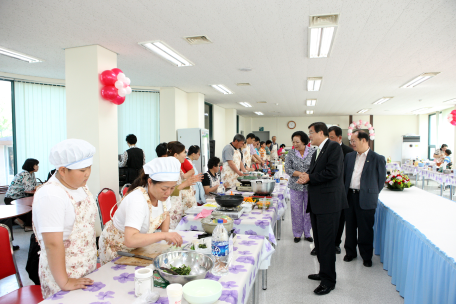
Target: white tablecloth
393, 166
114, 284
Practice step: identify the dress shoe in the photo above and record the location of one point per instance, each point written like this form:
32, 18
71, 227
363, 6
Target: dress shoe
297, 240
338, 251
367, 263
322, 290
315, 277
348, 258
309, 239
313, 252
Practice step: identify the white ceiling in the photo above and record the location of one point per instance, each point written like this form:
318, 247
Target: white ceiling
379, 46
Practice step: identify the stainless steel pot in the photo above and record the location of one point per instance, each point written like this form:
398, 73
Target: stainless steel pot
263, 186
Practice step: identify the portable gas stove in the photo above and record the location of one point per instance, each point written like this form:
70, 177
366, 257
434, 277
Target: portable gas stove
234, 212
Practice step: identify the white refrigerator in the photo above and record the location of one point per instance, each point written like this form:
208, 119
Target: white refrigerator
199, 137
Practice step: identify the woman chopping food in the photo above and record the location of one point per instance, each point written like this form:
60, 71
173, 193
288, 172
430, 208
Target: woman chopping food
142, 211
64, 213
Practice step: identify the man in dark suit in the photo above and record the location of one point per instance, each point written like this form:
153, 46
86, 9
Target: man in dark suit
326, 200
365, 175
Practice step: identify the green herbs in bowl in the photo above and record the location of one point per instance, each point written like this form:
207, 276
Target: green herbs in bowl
183, 270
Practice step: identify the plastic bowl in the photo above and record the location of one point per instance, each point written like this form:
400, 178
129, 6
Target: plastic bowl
202, 291
420, 165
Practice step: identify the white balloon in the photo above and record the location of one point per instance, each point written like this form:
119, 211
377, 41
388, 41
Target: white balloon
371, 131
119, 84
352, 125
121, 77
128, 89
369, 126
127, 81
122, 92
372, 137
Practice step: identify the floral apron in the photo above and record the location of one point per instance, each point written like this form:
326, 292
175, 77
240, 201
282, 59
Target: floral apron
112, 240
214, 181
80, 248
189, 195
177, 211
229, 177
274, 154
247, 157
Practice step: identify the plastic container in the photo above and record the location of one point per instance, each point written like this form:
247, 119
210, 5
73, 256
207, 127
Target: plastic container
143, 281
221, 188
174, 292
220, 249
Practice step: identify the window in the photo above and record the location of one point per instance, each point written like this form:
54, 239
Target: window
432, 139
208, 118
7, 159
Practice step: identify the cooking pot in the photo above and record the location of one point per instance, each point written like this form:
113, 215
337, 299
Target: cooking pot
263, 186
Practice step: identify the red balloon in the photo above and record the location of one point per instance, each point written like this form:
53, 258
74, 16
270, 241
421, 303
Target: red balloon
118, 100
116, 71
109, 92
453, 122
453, 112
108, 78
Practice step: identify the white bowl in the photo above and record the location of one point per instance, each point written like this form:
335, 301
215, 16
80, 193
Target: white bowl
202, 291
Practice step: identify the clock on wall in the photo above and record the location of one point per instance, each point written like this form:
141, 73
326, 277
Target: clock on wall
291, 124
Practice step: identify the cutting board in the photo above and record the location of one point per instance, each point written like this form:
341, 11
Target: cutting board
151, 251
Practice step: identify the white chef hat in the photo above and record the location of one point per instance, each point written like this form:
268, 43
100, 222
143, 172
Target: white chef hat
163, 169
72, 154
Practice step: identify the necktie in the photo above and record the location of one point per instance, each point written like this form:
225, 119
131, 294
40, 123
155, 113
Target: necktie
318, 152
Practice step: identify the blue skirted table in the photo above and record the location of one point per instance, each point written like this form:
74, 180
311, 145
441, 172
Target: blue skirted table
415, 236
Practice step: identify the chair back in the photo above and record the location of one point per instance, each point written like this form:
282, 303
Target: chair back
124, 189
9, 266
106, 201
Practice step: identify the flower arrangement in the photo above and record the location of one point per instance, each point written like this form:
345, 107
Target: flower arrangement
397, 181
358, 125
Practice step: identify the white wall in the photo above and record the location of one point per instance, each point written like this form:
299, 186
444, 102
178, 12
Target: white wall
423, 131
218, 118
167, 114
181, 114
195, 107
230, 124
242, 125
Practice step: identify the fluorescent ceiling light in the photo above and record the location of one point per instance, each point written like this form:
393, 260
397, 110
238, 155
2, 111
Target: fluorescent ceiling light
259, 113
17, 55
363, 111
309, 112
382, 100
160, 48
320, 41
450, 101
311, 102
421, 110
245, 104
221, 88
416, 81
314, 83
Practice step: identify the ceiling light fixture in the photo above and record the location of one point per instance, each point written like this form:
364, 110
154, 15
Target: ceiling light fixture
311, 102
321, 35
417, 80
160, 48
221, 88
382, 100
245, 104
259, 113
309, 112
450, 101
421, 111
17, 55
363, 111
313, 84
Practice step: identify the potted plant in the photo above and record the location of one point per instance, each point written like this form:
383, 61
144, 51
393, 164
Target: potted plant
397, 181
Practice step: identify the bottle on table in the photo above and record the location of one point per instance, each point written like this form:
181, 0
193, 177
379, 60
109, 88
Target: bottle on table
220, 249
221, 188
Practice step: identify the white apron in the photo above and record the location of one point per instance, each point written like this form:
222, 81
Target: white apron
229, 177
112, 240
80, 248
274, 154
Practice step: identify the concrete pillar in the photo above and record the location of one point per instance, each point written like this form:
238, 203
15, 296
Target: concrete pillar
167, 114
230, 124
195, 110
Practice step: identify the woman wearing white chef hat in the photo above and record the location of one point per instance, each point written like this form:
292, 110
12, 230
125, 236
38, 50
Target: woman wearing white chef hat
142, 211
64, 213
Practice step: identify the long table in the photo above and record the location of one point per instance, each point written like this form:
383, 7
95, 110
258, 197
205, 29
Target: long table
441, 178
114, 284
415, 235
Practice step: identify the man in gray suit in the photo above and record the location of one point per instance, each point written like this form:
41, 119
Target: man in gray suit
365, 175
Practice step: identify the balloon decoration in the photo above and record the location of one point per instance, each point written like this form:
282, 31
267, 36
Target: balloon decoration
452, 118
116, 86
358, 125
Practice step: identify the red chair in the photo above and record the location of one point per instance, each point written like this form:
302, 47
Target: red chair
28, 294
124, 189
106, 200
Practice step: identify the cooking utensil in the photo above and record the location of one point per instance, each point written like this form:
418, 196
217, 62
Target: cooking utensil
202, 291
209, 226
263, 186
198, 262
229, 201
131, 255
151, 251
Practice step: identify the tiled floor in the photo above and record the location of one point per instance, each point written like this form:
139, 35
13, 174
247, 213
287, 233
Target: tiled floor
287, 276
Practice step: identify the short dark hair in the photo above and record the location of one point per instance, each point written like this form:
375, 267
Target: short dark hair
162, 149
444, 146
448, 152
302, 135
268, 142
239, 137
362, 135
257, 138
320, 126
250, 135
131, 139
193, 150
29, 164
261, 143
282, 146
213, 162
337, 130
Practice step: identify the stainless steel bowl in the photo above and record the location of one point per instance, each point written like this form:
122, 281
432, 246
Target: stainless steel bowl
199, 263
209, 226
263, 186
